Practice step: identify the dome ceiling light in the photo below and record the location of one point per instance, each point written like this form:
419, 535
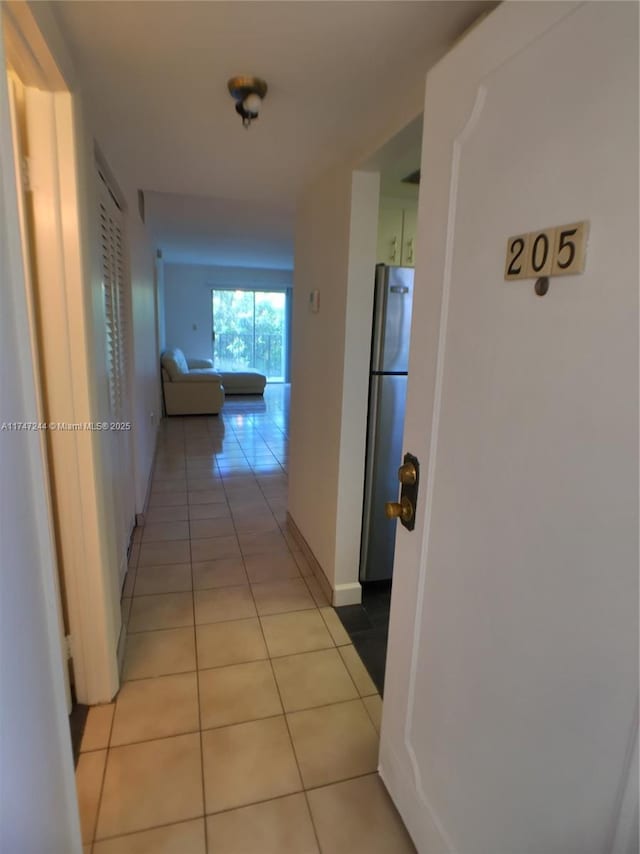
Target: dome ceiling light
248, 93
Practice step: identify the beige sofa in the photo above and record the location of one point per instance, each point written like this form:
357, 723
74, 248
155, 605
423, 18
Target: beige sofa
190, 386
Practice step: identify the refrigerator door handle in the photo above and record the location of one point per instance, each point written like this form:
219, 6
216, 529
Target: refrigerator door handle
374, 395
379, 316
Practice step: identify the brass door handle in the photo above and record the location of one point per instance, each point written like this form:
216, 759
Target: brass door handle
407, 474
402, 509
405, 509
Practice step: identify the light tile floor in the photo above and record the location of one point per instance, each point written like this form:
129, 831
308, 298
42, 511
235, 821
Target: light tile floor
246, 722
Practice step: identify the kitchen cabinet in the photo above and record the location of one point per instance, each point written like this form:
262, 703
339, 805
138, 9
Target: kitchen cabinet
389, 234
396, 232
409, 222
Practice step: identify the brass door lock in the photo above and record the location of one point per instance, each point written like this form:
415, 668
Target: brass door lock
402, 510
405, 509
408, 474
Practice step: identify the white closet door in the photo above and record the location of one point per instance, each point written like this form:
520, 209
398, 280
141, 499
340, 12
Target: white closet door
115, 288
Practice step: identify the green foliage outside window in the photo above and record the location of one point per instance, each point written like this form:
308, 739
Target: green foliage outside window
250, 331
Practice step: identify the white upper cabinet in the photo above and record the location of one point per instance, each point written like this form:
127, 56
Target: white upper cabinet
389, 233
409, 222
396, 231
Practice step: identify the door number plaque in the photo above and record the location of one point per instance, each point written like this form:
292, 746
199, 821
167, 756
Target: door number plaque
556, 251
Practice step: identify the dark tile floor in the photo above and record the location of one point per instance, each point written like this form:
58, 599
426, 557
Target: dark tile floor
77, 721
367, 625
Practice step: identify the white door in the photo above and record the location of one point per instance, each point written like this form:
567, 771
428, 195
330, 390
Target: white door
510, 705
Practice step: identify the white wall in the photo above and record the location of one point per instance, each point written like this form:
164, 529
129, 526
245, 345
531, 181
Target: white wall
38, 811
335, 251
187, 300
355, 384
331, 350
162, 326
322, 221
330, 369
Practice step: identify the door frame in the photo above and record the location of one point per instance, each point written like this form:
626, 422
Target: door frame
61, 206
16, 107
25, 366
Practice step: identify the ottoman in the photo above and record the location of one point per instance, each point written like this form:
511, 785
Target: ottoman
243, 382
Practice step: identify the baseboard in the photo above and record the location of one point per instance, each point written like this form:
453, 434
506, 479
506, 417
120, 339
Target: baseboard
343, 594
418, 815
122, 642
313, 561
347, 594
140, 517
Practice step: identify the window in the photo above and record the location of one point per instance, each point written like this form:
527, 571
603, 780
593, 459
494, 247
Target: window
250, 331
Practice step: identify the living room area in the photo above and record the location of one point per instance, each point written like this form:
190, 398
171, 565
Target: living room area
238, 319
224, 279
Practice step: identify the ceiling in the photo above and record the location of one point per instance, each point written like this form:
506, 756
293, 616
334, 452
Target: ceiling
205, 230
398, 158
339, 73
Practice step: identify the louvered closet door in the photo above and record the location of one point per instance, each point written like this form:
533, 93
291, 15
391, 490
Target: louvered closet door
115, 288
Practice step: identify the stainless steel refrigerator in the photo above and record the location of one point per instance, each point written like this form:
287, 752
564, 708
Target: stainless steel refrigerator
385, 422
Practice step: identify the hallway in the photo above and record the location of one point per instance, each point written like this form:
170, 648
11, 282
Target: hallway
246, 722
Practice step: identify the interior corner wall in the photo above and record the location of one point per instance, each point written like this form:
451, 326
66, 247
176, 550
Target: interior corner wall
289, 334
162, 326
187, 300
335, 254
363, 231
331, 351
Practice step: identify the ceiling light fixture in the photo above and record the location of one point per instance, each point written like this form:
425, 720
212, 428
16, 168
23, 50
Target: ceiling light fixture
248, 93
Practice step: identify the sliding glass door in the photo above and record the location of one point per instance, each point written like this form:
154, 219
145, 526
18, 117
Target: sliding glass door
250, 331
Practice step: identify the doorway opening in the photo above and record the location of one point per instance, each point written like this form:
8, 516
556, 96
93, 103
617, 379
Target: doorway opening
250, 331
398, 164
